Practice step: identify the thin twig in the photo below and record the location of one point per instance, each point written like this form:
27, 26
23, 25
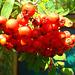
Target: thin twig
56, 3
35, 2
19, 2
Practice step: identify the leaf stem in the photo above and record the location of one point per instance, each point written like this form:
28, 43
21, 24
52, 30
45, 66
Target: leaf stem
35, 2
19, 2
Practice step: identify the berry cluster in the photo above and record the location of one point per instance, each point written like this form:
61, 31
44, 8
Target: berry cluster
44, 37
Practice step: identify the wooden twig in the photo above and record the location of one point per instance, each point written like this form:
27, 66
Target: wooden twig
35, 2
19, 2
56, 3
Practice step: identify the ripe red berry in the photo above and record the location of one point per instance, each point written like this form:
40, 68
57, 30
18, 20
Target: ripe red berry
28, 10
53, 17
3, 41
25, 30
12, 24
21, 19
3, 21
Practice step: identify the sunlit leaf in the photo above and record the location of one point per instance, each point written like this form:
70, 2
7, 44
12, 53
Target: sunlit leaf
67, 71
57, 57
0, 3
7, 8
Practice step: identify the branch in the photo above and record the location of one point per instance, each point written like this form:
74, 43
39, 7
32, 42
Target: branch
19, 2
35, 2
56, 3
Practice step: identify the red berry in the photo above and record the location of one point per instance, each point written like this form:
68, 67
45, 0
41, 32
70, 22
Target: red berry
12, 24
28, 10
53, 17
25, 30
21, 19
3, 21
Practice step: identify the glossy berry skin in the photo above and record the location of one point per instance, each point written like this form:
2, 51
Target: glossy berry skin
3, 41
12, 24
61, 21
25, 30
73, 37
26, 41
21, 19
67, 33
3, 21
53, 17
44, 18
28, 10
46, 28
61, 35
68, 42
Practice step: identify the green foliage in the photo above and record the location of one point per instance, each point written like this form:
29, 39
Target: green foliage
57, 57
67, 71
7, 8
0, 3
52, 71
35, 61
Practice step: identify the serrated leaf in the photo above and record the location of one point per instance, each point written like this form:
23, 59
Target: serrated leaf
57, 57
67, 71
49, 4
7, 8
52, 71
0, 3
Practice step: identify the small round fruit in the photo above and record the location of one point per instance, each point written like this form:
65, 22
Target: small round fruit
68, 34
12, 24
28, 10
25, 30
3, 41
21, 19
53, 17
44, 18
61, 21
3, 21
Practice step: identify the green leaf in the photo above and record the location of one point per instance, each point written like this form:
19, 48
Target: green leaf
1, 52
65, 12
22, 57
30, 65
41, 63
49, 5
67, 71
36, 66
57, 57
7, 8
52, 71
0, 3
60, 64
60, 9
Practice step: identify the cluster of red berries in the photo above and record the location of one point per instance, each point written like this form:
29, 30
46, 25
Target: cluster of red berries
44, 37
